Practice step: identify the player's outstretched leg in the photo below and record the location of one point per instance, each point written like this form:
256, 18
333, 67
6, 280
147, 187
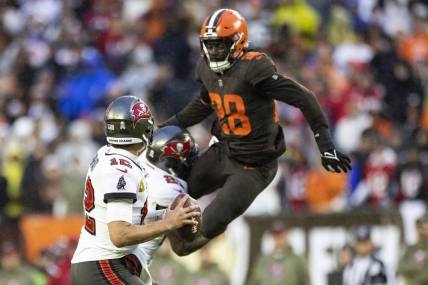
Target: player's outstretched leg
236, 195
207, 173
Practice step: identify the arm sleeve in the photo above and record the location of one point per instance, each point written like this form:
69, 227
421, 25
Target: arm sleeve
263, 75
119, 210
197, 110
289, 91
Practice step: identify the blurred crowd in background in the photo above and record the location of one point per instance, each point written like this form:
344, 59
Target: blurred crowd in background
62, 62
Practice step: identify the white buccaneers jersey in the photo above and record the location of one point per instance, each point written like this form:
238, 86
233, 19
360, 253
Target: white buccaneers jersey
114, 174
162, 189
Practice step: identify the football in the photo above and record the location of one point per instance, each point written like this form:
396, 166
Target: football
187, 232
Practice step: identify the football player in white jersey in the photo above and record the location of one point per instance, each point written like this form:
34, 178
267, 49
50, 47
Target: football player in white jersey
167, 162
116, 203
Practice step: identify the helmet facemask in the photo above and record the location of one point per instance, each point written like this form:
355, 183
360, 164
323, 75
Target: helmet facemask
148, 134
176, 167
147, 137
219, 51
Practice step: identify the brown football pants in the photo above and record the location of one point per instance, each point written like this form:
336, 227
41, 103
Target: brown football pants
236, 184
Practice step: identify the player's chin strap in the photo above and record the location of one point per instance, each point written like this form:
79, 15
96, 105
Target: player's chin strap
221, 66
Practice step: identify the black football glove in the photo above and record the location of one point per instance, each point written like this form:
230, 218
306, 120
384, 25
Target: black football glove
332, 159
335, 161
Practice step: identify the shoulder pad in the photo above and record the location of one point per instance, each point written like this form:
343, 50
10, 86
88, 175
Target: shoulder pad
252, 55
260, 66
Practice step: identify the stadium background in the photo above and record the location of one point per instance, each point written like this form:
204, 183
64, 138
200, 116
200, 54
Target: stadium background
61, 62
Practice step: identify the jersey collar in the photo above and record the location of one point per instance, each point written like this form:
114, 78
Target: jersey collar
114, 150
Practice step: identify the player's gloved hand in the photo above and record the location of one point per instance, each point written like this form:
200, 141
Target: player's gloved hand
332, 159
335, 161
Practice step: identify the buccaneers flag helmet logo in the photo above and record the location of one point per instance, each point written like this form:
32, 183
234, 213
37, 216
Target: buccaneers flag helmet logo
176, 149
140, 111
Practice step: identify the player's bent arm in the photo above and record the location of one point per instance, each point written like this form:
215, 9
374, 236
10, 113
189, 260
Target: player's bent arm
123, 233
196, 111
182, 247
263, 76
289, 91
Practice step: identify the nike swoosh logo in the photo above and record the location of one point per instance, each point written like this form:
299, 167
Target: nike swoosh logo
123, 170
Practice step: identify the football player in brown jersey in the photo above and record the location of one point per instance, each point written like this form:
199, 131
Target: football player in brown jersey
242, 86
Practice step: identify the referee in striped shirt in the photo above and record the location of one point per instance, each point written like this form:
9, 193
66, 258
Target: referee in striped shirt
366, 267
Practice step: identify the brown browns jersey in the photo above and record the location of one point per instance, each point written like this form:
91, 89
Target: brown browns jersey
247, 120
244, 100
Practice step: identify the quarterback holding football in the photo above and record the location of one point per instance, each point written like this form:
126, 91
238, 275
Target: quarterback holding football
116, 204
